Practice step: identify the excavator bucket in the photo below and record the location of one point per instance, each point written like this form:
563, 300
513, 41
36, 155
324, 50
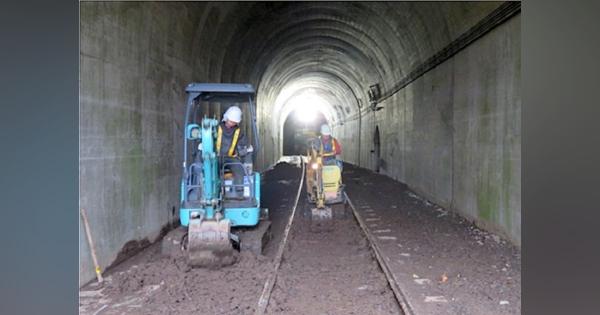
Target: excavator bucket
209, 244
327, 188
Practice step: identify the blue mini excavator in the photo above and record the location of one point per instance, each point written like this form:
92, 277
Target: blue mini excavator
210, 207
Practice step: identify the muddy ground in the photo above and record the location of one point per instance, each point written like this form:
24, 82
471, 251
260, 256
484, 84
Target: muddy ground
444, 263
330, 273
149, 283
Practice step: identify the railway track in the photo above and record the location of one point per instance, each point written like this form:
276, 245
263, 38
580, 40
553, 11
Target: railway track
394, 290
333, 272
392, 281
263, 301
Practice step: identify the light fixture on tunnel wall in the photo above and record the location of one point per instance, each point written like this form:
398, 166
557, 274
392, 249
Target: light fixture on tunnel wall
374, 94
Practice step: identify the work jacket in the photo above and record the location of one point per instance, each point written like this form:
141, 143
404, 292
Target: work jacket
228, 140
329, 148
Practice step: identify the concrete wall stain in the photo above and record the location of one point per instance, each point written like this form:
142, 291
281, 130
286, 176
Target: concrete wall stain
130, 58
145, 54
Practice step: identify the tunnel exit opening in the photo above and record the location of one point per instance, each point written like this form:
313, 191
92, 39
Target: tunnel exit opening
302, 115
297, 130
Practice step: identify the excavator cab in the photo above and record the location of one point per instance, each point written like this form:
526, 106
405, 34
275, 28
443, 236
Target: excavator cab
213, 225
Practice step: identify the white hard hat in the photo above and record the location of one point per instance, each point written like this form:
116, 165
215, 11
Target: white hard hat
325, 130
234, 114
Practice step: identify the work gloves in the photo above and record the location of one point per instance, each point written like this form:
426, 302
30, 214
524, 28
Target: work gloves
245, 150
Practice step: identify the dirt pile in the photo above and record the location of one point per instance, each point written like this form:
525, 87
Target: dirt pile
183, 290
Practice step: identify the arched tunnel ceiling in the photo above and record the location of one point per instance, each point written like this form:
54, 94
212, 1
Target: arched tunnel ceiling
136, 57
326, 86
341, 47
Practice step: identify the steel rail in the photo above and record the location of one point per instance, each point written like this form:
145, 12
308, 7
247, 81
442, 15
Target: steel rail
263, 301
393, 282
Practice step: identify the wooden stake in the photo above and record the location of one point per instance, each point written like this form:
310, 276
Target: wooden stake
91, 244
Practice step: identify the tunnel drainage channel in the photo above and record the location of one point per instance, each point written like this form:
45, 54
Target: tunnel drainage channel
392, 281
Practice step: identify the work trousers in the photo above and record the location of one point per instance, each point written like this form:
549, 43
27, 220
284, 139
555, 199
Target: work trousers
237, 170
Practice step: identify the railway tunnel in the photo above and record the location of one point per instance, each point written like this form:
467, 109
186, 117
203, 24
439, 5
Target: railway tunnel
423, 96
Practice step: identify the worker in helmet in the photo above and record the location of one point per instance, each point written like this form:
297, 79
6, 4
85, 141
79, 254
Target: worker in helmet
329, 147
232, 146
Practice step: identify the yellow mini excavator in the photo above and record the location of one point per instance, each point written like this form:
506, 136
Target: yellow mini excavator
324, 189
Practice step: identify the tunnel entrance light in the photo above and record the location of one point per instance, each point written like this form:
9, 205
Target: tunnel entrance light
305, 115
307, 106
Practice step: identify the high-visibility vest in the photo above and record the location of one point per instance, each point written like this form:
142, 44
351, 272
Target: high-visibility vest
236, 135
330, 153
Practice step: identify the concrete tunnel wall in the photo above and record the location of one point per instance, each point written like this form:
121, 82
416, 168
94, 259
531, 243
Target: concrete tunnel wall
135, 61
453, 134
